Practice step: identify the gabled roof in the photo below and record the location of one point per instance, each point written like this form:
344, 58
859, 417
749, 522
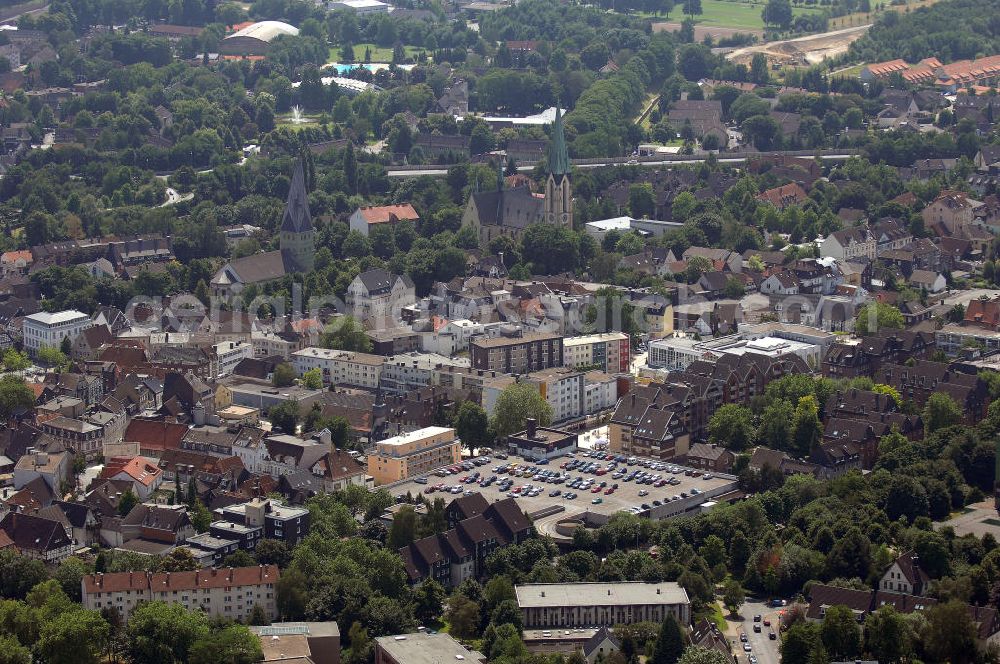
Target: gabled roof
381, 214
34, 533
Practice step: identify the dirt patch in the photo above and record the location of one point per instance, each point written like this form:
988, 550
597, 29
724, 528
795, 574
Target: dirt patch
802, 51
701, 31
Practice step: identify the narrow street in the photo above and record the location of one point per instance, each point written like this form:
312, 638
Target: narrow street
761, 646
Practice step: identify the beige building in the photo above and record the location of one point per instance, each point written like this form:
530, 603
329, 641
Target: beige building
414, 453
229, 593
341, 367
587, 604
423, 648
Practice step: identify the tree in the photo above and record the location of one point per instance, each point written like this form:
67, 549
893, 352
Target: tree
733, 596
641, 200
669, 643
950, 635
52, 357
471, 424
806, 428
128, 501
69, 574
12, 652
290, 594
732, 426
940, 411
734, 288
403, 529
312, 379
840, 634
778, 13
427, 599
888, 635
234, 644
507, 613
160, 633
272, 552
692, 7
284, 375
761, 130
875, 315
699, 655
77, 636
285, 416
201, 518
15, 395
799, 641
346, 333
515, 405
15, 361
350, 168
463, 616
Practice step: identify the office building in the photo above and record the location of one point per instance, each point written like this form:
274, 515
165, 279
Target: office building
46, 329
414, 453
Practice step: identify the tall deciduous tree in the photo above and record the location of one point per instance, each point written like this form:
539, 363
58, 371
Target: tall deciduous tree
669, 642
515, 405
840, 633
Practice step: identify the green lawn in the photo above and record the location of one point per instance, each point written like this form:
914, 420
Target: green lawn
378, 53
726, 14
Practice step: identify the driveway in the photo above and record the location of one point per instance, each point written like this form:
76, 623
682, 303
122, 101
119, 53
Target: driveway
766, 650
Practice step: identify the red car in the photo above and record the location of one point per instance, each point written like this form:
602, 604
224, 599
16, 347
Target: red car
596, 489
609, 491
429, 489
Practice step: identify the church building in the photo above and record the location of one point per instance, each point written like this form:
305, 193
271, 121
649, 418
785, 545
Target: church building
297, 240
508, 212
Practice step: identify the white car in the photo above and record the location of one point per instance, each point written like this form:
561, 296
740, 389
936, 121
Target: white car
643, 492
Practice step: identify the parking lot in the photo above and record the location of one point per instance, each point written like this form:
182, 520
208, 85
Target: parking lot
596, 483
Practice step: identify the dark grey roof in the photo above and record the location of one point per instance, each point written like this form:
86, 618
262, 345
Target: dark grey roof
297, 218
514, 208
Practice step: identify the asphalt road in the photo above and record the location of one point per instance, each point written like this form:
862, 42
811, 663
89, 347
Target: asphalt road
766, 650
694, 159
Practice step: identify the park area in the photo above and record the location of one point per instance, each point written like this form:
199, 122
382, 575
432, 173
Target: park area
732, 14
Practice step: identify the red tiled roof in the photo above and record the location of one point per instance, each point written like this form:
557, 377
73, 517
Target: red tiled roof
204, 578
137, 468
385, 213
155, 435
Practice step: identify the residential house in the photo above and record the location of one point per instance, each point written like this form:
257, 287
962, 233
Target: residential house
365, 218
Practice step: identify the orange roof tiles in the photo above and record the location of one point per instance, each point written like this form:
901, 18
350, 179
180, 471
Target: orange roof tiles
137, 468
382, 214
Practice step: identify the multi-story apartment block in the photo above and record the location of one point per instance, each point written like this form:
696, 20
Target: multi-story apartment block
545, 605
610, 352
341, 367
46, 329
517, 355
413, 453
280, 522
229, 593
228, 354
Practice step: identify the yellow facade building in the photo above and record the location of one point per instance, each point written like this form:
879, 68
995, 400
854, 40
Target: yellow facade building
414, 453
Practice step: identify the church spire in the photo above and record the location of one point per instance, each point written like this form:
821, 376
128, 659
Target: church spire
297, 218
558, 155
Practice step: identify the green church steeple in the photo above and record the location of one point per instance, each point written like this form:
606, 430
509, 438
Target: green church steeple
558, 155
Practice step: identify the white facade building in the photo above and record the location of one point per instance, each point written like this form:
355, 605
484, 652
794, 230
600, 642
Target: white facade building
230, 353
341, 367
49, 329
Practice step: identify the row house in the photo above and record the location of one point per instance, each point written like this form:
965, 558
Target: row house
460, 553
924, 378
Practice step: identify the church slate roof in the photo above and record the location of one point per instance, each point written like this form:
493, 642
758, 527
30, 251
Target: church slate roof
297, 218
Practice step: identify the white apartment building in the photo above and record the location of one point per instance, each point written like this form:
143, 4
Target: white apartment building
409, 371
545, 605
611, 351
229, 593
341, 367
49, 329
230, 353
600, 392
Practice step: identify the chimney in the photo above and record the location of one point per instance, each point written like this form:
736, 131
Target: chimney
531, 427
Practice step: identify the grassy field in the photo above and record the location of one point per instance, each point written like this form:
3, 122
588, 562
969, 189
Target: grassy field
378, 53
726, 14
852, 20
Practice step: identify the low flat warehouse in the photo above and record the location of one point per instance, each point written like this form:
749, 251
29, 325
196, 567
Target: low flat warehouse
589, 604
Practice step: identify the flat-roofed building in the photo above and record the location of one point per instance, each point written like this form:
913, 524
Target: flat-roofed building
413, 453
422, 648
586, 604
610, 352
341, 367
537, 442
230, 593
46, 329
300, 642
517, 355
